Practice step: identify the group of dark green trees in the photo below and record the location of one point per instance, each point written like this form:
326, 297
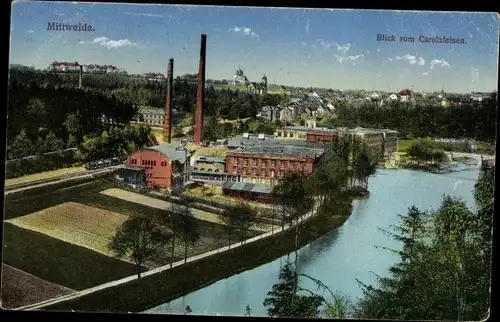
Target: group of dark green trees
48, 117
326, 192
469, 120
48, 112
443, 272
427, 152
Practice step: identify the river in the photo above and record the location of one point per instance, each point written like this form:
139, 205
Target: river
341, 256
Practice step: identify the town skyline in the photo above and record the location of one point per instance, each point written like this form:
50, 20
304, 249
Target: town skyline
294, 47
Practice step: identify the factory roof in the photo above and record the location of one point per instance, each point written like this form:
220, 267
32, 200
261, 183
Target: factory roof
156, 111
244, 143
216, 171
131, 168
280, 151
247, 187
341, 130
172, 152
310, 129
206, 159
361, 130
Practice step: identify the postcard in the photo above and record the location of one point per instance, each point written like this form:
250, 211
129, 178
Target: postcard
244, 161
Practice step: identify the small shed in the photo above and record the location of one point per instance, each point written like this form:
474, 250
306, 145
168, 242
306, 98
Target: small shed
248, 191
133, 176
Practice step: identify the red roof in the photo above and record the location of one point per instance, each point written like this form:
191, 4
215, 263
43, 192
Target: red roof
406, 92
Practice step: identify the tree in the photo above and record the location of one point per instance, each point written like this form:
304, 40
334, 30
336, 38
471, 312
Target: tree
185, 226
340, 307
53, 143
36, 110
72, 124
140, 239
243, 216
72, 142
284, 299
167, 219
443, 272
364, 165
22, 146
451, 223
294, 202
401, 286
238, 218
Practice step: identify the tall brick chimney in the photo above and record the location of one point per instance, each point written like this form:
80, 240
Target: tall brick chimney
80, 77
200, 95
167, 118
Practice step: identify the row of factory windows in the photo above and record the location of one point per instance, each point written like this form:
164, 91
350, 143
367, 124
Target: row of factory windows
290, 135
256, 172
263, 163
148, 163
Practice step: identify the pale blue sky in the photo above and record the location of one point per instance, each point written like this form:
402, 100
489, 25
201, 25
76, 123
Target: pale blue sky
324, 48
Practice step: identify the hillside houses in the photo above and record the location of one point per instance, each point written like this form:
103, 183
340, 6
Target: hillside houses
287, 114
303, 106
102, 69
86, 68
154, 76
270, 113
406, 95
64, 66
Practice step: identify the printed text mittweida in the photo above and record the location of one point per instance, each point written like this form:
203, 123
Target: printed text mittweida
58, 26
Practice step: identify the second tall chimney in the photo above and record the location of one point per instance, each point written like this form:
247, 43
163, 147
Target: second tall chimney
80, 77
200, 94
167, 118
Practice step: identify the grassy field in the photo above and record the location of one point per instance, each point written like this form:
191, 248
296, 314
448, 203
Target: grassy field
168, 285
210, 151
404, 145
159, 204
482, 147
59, 262
26, 205
215, 194
43, 175
212, 232
20, 288
76, 224
210, 166
212, 235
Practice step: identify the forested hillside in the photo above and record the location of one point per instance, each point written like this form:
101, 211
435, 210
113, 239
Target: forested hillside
476, 121
48, 112
227, 104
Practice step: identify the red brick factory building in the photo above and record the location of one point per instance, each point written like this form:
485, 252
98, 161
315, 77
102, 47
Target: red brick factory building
268, 164
160, 167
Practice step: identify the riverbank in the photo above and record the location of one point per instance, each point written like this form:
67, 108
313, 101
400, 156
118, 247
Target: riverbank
420, 167
151, 290
355, 251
